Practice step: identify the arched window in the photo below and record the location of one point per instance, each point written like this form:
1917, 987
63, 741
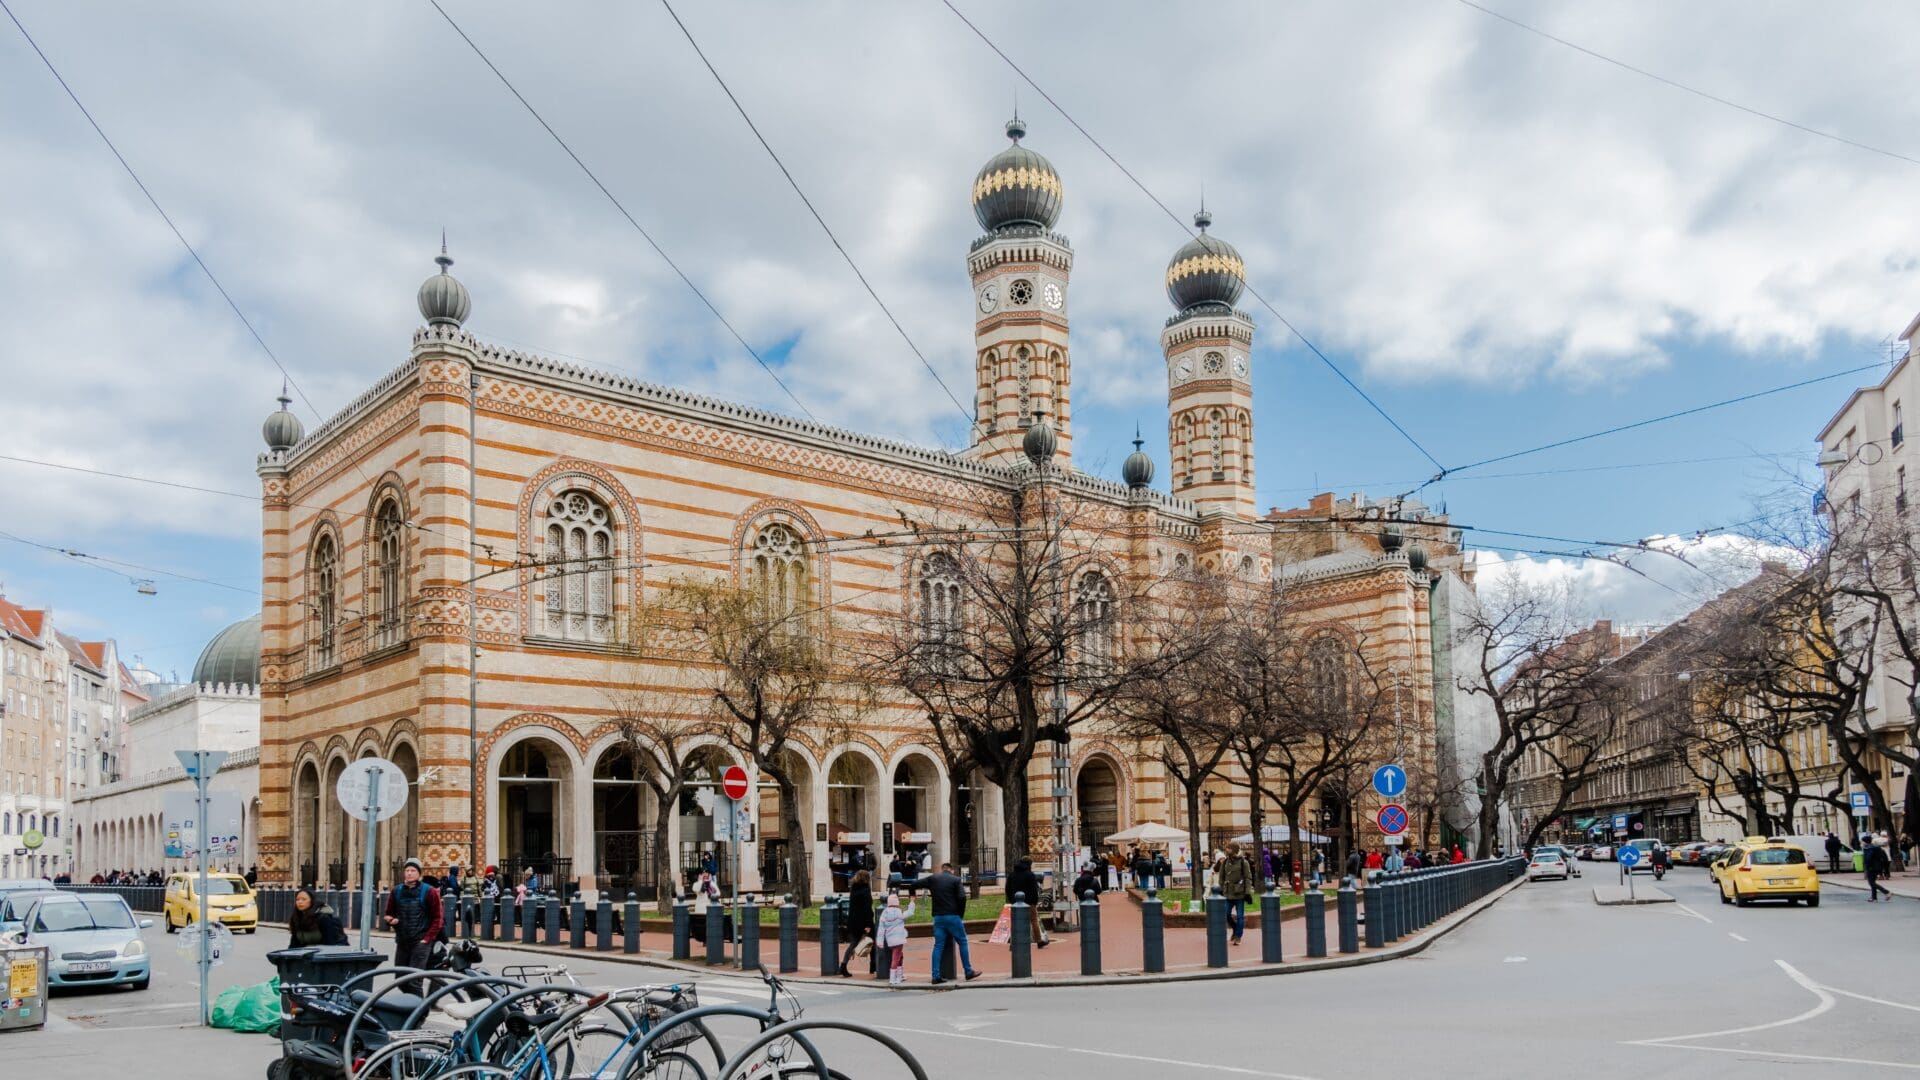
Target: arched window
1023, 370
1327, 675
390, 625
1215, 434
324, 599
1093, 618
579, 568
778, 574
941, 610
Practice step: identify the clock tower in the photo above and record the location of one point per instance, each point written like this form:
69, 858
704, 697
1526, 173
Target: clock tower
1209, 350
1020, 269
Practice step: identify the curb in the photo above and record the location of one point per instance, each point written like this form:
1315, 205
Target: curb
1292, 967
1861, 886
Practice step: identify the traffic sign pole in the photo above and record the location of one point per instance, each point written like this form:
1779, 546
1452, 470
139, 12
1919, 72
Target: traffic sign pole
366, 868
201, 765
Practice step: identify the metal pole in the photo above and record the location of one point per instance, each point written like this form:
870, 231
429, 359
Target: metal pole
206, 959
366, 864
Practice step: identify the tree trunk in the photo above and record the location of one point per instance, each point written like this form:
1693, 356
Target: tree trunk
1294, 848
1198, 877
956, 818
1014, 807
799, 873
666, 802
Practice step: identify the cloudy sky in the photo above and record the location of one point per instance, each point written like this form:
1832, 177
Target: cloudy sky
1504, 241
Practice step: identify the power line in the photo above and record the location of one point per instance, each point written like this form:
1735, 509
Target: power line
617, 205
1202, 238
811, 209
1695, 91
97, 562
1340, 485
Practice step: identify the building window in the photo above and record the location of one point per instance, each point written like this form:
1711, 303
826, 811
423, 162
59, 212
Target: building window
1900, 489
1327, 675
390, 535
939, 599
1023, 370
1093, 611
579, 568
1899, 427
324, 599
778, 573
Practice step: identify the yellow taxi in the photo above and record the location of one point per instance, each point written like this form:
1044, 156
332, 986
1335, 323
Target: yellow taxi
1770, 870
230, 900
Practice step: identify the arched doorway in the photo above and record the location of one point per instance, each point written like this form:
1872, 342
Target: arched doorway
623, 819
400, 834
337, 833
701, 801
774, 845
532, 799
306, 825
916, 801
852, 816
1097, 795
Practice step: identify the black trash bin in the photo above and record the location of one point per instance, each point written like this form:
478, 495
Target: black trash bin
323, 965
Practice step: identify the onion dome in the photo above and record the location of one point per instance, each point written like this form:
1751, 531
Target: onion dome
1391, 539
1137, 470
1206, 272
1017, 187
443, 300
1040, 442
1417, 557
283, 429
232, 657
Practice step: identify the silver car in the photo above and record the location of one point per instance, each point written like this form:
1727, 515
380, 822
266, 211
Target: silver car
91, 940
14, 904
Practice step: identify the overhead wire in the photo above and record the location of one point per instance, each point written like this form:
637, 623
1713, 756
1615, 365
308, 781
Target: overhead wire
621, 207
1200, 237
811, 209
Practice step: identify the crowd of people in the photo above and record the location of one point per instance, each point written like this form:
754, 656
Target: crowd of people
151, 877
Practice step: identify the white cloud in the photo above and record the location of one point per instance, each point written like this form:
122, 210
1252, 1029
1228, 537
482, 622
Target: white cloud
1643, 588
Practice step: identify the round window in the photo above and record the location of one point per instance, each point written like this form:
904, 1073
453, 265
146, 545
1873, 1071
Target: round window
1021, 292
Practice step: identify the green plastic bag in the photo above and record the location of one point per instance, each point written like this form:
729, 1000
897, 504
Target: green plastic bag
253, 1009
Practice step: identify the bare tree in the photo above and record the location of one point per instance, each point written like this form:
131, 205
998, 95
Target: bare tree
659, 737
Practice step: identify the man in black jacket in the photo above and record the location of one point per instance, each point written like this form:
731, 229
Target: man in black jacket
1833, 853
949, 909
1023, 882
1877, 865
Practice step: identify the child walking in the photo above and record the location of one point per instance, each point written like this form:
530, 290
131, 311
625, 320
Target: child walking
891, 935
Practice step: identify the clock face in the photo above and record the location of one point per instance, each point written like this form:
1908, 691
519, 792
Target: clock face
1215, 363
989, 298
1239, 365
1183, 369
1052, 296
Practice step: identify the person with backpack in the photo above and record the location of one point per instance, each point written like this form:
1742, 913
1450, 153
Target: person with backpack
1236, 884
312, 922
1877, 866
415, 915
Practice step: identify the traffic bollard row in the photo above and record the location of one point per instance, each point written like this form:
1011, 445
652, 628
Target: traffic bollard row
1153, 931
1349, 903
1020, 943
789, 936
1316, 904
749, 957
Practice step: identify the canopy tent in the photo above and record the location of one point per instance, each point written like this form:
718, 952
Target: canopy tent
1151, 833
1280, 834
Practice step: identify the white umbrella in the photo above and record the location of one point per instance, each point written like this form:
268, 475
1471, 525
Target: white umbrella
1151, 832
1280, 834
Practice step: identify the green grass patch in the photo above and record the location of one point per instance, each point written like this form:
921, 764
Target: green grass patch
986, 907
1288, 898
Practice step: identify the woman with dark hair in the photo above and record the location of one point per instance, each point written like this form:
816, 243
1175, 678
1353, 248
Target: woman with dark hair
859, 918
313, 923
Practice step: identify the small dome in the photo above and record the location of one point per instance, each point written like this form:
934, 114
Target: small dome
282, 429
1391, 539
1040, 442
1206, 271
443, 300
1017, 187
232, 657
1137, 470
1417, 557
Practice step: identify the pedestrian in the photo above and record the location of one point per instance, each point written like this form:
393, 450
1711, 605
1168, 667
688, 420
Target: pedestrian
1236, 884
1319, 867
490, 883
1025, 883
414, 913
891, 935
1375, 862
1161, 868
1833, 852
1142, 868
859, 928
708, 865
252, 876
1459, 856
1086, 885
1876, 865
1394, 863
1356, 862
949, 895
313, 923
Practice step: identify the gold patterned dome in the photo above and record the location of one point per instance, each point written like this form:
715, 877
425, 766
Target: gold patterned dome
1017, 187
1206, 272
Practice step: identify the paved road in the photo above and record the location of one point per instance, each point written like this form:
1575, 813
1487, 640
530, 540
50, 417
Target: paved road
1544, 982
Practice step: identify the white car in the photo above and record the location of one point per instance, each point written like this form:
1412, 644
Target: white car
1602, 853
1546, 864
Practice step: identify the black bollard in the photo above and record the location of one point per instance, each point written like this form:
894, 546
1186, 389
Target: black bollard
749, 954
1090, 936
1020, 943
1349, 904
603, 922
577, 922
1153, 933
468, 910
789, 936
1216, 929
1316, 904
716, 934
682, 929
503, 915
1389, 897
1270, 927
630, 918
830, 936
552, 905
529, 916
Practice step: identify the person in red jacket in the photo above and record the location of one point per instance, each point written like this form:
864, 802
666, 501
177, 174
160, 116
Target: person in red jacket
1458, 855
1374, 861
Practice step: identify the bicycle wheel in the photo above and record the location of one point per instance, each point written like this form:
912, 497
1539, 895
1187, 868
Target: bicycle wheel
477, 1071
409, 1059
586, 1050
670, 1065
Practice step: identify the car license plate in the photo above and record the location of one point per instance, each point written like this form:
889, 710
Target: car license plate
82, 969
1779, 881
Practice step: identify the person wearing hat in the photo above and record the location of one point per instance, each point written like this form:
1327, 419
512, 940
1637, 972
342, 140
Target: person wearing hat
414, 913
490, 884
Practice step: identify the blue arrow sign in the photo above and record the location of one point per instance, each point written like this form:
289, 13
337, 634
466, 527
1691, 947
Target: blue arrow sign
1390, 780
1629, 855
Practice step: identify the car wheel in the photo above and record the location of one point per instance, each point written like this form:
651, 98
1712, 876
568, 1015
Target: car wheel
171, 929
1739, 900
1793, 901
142, 984
1723, 895
1813, 901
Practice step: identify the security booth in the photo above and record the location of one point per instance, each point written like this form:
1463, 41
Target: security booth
916, 848
24, 1006
852, 852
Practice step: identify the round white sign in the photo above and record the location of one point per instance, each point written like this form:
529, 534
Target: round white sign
374, 784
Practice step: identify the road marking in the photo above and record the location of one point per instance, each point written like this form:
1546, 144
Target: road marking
1875, 1000
1735, 936
1236, 1070
1685, 910
1514, 960
1797, 1057
1827, 1001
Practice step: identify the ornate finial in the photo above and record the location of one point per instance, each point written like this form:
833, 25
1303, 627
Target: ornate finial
442, 259
1202, 219
1016, 127
1138, 442
283, 399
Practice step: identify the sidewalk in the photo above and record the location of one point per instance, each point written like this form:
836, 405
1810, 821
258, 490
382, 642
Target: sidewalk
1905, 883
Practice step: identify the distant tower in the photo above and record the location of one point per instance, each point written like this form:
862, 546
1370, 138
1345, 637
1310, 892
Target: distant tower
1209, 376
1020, 270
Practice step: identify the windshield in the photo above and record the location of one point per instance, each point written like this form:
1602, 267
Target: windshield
88, 913
1778, 857
223, 886
14, 905
1546, 856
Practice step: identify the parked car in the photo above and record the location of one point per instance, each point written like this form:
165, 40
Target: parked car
38, 883
1546, 863
14, 904
1565, 853
1601, 853
229, 899
1816, 849
1772, 871
91, 940
1688, 854
1709, 854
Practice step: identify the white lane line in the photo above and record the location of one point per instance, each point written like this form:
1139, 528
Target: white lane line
1203, 1066
1685, 910
1827, 1001
1735, 936
1875, 1000
1797, 1057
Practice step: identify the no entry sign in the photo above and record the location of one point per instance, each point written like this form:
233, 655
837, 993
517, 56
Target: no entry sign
1392, 818
734, 782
